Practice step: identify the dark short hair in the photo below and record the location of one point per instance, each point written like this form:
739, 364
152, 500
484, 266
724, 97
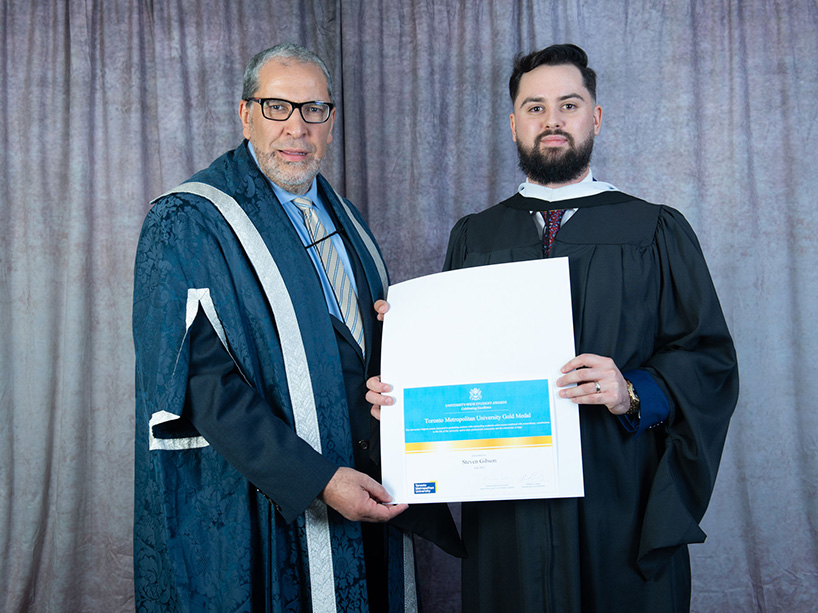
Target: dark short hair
284, 51
555, 55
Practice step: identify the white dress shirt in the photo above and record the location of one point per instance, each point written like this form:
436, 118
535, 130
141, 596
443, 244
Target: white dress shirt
586, 187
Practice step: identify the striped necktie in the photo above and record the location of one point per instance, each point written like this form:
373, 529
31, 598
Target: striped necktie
334, 267
552, 221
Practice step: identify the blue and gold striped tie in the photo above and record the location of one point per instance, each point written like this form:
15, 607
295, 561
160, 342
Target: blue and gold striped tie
334, 267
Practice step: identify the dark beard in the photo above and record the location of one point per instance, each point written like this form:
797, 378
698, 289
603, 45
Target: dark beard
549, 167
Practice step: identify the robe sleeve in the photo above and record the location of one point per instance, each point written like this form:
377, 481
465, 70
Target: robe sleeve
180, 249
694, 363
241, 426
654, 405
456, 252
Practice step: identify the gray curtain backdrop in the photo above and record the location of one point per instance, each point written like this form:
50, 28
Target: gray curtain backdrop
709, 105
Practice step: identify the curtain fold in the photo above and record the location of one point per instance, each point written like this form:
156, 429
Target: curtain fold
708, 106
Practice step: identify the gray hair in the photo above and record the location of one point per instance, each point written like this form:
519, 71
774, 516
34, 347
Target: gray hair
284, 51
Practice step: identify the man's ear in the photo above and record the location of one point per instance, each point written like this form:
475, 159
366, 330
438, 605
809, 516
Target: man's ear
331, 125
244, 115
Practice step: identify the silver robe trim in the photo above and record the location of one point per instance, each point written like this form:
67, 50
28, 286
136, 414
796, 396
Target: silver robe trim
299, 382
410, 592
196, 298
368, 243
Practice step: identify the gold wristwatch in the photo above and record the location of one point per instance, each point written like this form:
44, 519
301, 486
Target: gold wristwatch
633, 411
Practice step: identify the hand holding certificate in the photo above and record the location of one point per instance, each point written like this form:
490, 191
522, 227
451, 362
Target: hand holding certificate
473, 355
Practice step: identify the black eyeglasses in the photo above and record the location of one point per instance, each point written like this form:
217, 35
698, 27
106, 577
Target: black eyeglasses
276, 109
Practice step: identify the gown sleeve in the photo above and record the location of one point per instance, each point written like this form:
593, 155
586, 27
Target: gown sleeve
241, 426
189, 379
654, 407
456, 252
694, 363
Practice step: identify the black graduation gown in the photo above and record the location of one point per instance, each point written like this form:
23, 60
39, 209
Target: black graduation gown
642, 294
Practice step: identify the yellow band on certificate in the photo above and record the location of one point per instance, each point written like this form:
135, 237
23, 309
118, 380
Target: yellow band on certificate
476, 444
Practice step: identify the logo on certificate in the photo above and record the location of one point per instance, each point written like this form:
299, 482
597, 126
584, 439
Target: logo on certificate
426, 488
475, 393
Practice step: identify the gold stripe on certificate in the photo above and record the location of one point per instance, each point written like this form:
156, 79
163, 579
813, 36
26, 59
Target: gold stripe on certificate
478, 444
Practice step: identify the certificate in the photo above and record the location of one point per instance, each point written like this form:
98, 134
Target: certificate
473, 355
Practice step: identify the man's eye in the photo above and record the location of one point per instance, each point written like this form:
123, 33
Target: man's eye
535, 109
272, 106
569, 106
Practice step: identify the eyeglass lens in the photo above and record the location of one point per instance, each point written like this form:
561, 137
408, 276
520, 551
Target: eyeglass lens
280, 110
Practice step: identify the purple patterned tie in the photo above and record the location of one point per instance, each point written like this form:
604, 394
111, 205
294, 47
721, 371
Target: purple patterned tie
552, 221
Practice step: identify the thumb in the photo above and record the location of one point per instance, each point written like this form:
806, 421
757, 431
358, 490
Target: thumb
377, 491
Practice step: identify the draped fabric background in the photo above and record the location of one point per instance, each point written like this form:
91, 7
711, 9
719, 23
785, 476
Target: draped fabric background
709, 105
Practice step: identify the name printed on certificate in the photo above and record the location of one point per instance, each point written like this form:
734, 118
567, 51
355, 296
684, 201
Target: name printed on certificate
476, 413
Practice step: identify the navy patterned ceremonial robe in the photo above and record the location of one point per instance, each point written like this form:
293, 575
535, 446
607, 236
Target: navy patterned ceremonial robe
205, 537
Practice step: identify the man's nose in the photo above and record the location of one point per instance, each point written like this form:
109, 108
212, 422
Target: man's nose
553, 118
295, 124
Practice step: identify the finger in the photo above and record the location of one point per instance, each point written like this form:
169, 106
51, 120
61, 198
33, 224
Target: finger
583, 375
376, 385
395, 509
381, 306
375, 411
585, 393
574, 363
376, 491
382, 513
379, 399
585, 360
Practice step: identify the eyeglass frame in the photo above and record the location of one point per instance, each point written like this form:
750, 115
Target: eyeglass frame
293, 105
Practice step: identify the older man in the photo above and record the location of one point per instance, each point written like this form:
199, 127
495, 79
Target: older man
656, 374
256, 457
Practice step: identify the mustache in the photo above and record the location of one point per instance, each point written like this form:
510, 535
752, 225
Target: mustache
296, 145
541, 136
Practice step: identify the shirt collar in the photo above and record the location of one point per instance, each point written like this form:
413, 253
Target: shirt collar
587, 187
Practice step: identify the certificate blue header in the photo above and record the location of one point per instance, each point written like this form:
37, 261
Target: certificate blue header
477, 411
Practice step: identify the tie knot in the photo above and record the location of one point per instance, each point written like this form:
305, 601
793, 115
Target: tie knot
555, 216
302, 203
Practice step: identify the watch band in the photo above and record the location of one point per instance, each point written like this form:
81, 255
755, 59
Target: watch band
634, 411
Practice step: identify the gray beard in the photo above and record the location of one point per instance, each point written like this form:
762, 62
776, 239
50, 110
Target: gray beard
546, 168
291, 179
